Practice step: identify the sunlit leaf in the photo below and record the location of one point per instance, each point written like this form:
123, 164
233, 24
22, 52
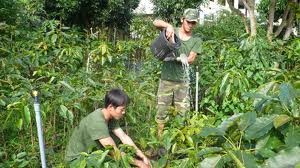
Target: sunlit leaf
19, 123
211, 162
229, 122
281, 120
284, 159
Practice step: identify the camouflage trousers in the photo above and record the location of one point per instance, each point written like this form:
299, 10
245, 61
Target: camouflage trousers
171, 93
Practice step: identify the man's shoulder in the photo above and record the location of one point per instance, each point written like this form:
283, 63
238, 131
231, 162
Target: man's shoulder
94, 116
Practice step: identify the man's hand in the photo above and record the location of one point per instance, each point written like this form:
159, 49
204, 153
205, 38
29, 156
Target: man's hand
169, 31
183, 59
141, 164
146, 160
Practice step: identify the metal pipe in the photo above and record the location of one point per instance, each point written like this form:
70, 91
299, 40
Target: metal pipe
197, 89
39, 128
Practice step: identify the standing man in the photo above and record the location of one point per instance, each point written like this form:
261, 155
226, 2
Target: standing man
94, 130
174, 82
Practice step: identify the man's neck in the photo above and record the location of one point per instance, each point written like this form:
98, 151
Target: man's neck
106, 114
184, 35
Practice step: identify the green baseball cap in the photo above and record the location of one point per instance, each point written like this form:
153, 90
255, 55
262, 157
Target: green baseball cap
191, 14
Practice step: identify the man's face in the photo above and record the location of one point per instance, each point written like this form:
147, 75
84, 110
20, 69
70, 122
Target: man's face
188, 25
117, 112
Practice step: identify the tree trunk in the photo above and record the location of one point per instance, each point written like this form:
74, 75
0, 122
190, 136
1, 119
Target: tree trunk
283, 22
250, 6
271, 19
290, 22
238, 12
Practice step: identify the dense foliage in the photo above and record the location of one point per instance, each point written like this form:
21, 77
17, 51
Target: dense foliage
91, 13
249, 93
171, 10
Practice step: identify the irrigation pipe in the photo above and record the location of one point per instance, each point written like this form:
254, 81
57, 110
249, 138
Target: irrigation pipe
197, 90
39, 128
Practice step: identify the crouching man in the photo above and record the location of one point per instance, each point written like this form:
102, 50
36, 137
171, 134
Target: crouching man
94, 130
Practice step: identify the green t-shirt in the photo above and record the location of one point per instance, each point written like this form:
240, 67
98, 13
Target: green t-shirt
87, 134
173, 70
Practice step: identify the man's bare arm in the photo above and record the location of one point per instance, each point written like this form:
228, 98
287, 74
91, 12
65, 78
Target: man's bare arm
164, 25
125, 139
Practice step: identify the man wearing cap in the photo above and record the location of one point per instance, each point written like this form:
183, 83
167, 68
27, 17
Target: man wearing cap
174, 83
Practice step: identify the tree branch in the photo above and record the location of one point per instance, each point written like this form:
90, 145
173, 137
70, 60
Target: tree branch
283, 22
239, 13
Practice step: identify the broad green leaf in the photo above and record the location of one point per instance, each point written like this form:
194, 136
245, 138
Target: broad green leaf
268, 148
261, 126
209, 150
229, 122
286, 94
63, 111
246, 120
292, 138
212, 162
19, 123
261, 143
209, 131
246, 158
259, 105
281, 120
27, 115
161, 162
284, 159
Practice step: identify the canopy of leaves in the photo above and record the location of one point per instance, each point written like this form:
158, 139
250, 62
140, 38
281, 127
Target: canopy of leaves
91, 13
171, 10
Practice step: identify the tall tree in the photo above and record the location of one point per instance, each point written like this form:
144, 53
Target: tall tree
271, 19
250, 6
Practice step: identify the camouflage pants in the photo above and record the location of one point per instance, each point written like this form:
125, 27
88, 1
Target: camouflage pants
171, 93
